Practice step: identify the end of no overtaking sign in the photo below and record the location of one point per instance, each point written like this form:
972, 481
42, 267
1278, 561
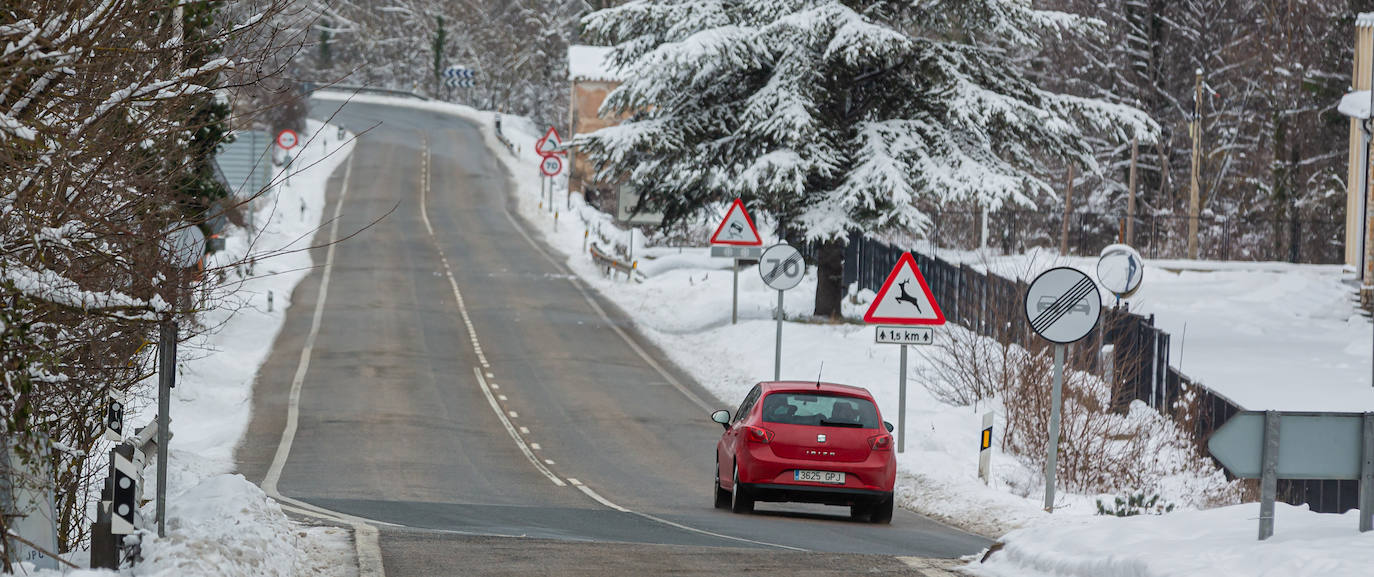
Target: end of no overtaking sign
1062, 305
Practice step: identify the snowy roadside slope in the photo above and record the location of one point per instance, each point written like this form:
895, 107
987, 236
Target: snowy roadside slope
1266, 335
1217, 543
218, 523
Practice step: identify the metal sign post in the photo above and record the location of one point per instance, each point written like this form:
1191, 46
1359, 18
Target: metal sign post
1275, 445
913, 305
1062, 305
166, 369
782, 268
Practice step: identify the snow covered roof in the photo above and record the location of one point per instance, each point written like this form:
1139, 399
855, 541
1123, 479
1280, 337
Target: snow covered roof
1365, 19
591, 63
1355, 104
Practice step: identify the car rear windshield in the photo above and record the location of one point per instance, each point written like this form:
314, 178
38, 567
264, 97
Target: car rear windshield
820, 409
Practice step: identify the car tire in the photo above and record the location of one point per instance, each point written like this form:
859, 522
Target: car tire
859, 512
740, 499
722, 496
881, 512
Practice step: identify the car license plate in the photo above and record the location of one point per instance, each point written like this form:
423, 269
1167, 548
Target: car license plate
831, 477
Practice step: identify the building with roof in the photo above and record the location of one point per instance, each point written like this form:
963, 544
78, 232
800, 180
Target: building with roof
592, 78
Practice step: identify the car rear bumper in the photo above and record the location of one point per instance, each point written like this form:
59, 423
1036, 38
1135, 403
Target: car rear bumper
779, 493
760, 467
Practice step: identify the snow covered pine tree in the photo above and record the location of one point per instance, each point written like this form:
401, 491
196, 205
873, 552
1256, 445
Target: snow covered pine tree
839, 116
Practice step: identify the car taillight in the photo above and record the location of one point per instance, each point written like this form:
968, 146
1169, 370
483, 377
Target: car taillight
758, 434
881, 442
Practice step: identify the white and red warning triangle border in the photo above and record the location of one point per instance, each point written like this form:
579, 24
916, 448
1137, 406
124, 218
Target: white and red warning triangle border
546, 147
740, 217
920, 307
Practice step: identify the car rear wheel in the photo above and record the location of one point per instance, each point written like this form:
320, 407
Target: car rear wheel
740, 500
722, 496
881, 512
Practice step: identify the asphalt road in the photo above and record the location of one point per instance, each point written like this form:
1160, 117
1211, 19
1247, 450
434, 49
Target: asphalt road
445, 311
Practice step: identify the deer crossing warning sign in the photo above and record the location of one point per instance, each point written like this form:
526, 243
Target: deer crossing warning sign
905, 298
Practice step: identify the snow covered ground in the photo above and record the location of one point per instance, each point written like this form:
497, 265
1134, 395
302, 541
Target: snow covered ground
1265, 335
218, 523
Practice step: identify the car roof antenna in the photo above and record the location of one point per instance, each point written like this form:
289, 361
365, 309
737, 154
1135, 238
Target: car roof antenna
818, 375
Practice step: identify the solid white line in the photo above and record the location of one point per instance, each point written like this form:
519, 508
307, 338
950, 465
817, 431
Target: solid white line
604, 501
365, 538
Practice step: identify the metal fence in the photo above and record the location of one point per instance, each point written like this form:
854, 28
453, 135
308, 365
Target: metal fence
991, 305
1155, 236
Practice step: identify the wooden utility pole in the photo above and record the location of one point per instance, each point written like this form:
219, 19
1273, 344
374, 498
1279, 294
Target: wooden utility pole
1068, 208
1130, 197
1195, 129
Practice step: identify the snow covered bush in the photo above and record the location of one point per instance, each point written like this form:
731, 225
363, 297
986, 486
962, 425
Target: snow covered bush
1102, 450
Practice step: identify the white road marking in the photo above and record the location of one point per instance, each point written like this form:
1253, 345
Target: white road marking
365, 538
495, 387
472, 333
536, 446
500, 397
519, 441
524, 430
490, 376
514, 415
548, 461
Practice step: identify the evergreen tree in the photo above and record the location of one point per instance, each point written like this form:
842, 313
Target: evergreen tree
837, 116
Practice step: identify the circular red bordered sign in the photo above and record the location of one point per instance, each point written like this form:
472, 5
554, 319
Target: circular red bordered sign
287, 139
551, 166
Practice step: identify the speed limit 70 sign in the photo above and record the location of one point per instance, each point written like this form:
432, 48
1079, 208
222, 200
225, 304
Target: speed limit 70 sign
551, 166
781, 267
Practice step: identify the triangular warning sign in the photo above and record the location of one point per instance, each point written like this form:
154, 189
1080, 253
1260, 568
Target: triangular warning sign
737, 228
905, 298
550, 144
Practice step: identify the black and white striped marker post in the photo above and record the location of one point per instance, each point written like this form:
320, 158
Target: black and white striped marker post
1062, 306
782, 268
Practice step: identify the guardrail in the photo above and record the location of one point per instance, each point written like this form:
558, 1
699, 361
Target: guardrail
311, 87
610, 265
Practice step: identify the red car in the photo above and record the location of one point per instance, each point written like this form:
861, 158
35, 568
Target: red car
806, 442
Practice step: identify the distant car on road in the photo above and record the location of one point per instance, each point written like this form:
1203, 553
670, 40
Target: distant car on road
806, 442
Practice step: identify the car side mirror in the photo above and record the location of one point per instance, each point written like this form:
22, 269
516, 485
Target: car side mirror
723, 417
888, 426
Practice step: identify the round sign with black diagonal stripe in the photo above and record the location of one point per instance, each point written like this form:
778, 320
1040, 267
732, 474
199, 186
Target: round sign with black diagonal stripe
781, 267
1062, 305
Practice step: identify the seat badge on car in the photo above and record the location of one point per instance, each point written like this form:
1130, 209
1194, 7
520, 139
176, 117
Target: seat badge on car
820, 438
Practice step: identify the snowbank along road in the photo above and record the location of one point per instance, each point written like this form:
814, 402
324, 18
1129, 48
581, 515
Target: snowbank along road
443, 384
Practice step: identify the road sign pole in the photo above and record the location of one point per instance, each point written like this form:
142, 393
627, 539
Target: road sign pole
1056, 398
1269, 474
734, 294
901, 404
1367, 475
166, 366
777, 351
